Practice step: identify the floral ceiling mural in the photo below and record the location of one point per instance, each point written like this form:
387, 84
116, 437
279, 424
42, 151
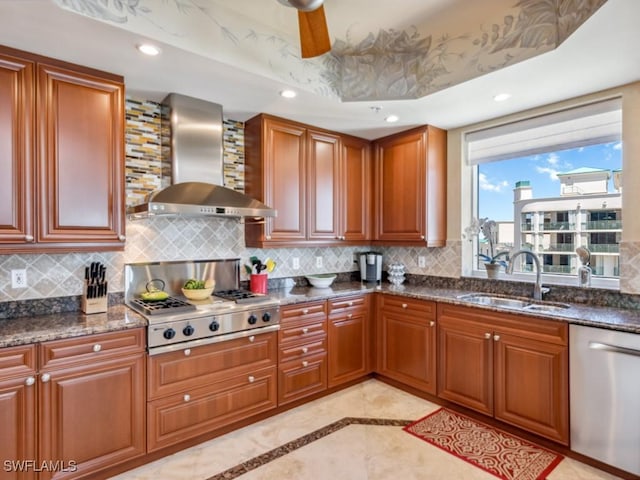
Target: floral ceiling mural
414, 57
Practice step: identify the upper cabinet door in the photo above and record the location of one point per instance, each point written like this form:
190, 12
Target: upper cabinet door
16, 149
80, 168
356, 199
323, 183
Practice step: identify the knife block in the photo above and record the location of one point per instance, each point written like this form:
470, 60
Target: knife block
93, 305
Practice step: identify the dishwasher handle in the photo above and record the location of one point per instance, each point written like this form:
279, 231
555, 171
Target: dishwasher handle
614, 348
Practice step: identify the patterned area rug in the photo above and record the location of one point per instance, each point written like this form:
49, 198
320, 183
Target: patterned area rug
504, 455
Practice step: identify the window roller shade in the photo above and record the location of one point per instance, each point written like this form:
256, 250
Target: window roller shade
590, 124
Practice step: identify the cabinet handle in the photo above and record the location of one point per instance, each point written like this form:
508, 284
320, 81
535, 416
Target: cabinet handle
496, 338
251, 379
421, 237
487, 336
432, 323
28, 238
305, 349
305, 363
252, 338
350, 315
404, 305
350, 304
45, 377
122, 238
305, 311
305, 330
186, 397
29, 381
97, 347
187, 352
267, 237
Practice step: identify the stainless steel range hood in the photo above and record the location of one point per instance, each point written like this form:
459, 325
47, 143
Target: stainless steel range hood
194, 150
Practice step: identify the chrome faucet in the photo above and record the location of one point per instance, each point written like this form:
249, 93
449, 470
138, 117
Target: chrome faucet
538, 290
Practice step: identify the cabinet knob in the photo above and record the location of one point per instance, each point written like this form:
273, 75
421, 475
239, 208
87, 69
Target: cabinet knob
342, 237
432, 323
305, 330
421, 237
97, 347
28, 238
251, 379
404, 305
122, 238
496, 338
305, 349
267, 237
45, 377
350, 315
305, 311
487, 336
252, 338
305, 363
187, 352
350, 304
186, 397
29, 381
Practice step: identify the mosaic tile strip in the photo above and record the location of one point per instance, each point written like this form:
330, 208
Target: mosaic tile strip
282, 450
234, 154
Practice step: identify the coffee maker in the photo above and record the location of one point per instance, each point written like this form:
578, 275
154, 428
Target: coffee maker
371, 267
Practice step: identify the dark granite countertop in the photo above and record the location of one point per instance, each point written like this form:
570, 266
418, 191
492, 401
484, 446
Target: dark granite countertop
25, 330
627, 320
33, 329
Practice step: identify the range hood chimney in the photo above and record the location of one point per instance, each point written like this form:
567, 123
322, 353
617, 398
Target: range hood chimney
194, 131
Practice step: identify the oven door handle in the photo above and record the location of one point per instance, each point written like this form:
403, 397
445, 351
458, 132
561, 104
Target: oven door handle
214, 339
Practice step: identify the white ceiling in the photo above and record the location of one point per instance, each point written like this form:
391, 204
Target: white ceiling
601, 54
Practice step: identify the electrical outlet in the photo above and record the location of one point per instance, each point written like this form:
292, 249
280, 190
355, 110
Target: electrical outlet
19, 278
422, 261
318, 262
295, 263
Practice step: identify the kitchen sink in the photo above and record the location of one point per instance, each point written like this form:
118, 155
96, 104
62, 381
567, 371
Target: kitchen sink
512, 303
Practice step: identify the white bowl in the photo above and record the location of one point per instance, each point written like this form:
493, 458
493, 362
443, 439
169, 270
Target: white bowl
197, 293
321, 280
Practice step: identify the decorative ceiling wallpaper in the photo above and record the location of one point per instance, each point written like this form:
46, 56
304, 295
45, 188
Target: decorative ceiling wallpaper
414, 57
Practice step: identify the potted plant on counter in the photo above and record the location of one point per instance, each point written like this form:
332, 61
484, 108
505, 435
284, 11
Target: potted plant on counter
489, 230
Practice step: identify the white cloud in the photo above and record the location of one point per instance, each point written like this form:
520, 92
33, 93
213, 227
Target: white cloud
618, 146
552, 172
485, 184
553, 159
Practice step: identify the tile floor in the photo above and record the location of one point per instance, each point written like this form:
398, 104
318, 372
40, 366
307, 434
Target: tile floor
353, 452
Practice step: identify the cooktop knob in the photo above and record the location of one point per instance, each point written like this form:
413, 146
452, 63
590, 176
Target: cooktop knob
169, 333
266, 316
214, 326
188, 331
252, 319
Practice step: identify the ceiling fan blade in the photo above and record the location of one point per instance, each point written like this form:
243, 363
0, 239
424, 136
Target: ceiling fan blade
314, 34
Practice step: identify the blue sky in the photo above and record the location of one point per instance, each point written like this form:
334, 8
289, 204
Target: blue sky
496, 180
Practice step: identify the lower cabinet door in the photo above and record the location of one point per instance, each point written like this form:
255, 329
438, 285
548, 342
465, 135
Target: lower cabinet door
180, 417
348, 347
92, 417
17, 429
299, 378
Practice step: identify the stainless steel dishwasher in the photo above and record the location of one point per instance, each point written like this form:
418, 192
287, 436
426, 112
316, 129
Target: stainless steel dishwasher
605, 395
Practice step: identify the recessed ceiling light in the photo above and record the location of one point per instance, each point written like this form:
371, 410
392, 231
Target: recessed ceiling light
148, 49
391, 119
288, 93
501, 97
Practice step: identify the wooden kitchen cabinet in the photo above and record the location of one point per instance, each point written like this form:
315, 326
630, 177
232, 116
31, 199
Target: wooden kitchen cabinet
318, 181
349, 338
302, 354
410, 188
91, 402
63, 149
407, 341
194, 391
511, 367
17, 410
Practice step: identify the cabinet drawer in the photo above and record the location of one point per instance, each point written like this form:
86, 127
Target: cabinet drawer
176, 418
15, 361
423, 309
91, 347
170, 373
337, 305
303, 331
298, 352
301, 311
300, 378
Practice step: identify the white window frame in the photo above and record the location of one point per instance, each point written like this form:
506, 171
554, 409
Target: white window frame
469, 196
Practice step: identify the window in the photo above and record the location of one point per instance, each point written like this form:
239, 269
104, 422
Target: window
557, 180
